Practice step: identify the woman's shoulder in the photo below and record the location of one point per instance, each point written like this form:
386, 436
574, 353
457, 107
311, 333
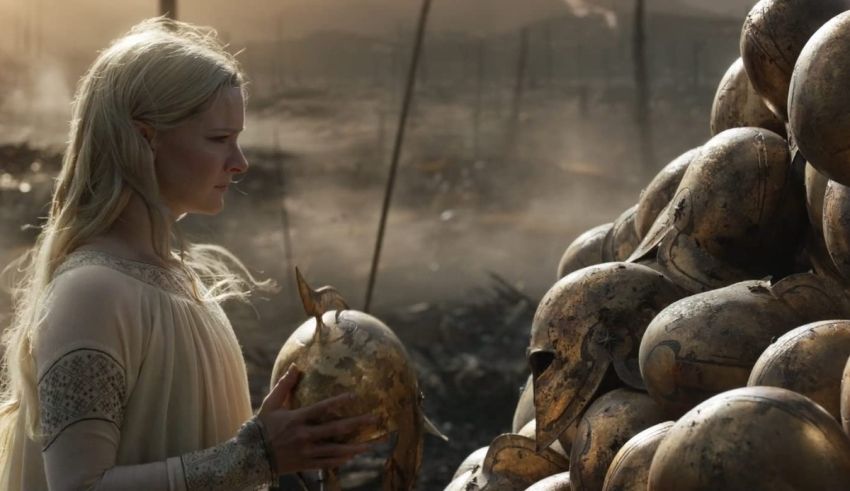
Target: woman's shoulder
96, 272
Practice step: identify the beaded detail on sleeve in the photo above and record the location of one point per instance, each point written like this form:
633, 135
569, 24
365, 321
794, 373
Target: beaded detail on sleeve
82, 385
238, 464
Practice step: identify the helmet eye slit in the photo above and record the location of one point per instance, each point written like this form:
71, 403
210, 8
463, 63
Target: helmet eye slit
540, 361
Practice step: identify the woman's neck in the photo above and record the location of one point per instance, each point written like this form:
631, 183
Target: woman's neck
131, 236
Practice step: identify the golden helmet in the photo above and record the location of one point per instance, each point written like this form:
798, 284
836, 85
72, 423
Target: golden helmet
809, 360
708, 343
341, 351
629, 471
606, 426
738, 213
588, 321
772, 38
558, 482
836, 226
660, 191
512, 463
845, 398
753, 438
737, 104
818, 102
586, 250
622, 238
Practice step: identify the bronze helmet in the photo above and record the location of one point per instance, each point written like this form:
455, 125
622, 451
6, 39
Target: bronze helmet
512, 463
472, 462
588, 321
629, 471
622, 239
845, 398
818, 103
737, 104
772, 38
836, 226
815, 192
737, 214
558, 482
753, 438
342, 351
606, 426
660, 191
809, 360
708, 343
530, 431
524, 411
586, 250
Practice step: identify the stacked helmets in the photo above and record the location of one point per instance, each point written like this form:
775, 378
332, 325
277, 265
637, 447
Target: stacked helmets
701, 341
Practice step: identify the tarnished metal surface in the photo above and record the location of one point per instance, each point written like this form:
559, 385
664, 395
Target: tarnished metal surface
606, 426
622, 239
815, 191
738, 213
629, 471
836, 226
738, 105
586, 250
708, 343
472, 462
512, 463
352, 351
530, 431
819, 103
588, 321
809, 360
845, 398
772, 38
660, 191
752, 439
558, 482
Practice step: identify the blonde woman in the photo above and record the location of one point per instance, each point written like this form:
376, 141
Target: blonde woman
121, 369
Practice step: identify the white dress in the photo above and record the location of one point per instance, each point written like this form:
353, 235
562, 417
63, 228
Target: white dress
140, 387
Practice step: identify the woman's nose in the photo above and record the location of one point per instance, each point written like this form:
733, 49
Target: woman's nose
238, 163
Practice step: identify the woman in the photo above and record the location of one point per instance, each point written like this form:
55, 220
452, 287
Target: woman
122, 371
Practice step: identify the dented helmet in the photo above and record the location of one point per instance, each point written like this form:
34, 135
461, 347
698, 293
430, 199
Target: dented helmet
809, 360
738, 105
753, 438
660, 191
606, 426
586, 250
512, 463
343, 351
738, 213
772, 38
629, 471
708, 343
589, 321
818, 102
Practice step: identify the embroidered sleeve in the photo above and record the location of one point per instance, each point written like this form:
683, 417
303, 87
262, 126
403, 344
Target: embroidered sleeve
82, 385
239, 463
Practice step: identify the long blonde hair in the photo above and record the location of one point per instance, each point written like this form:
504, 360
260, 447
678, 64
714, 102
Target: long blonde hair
161, 73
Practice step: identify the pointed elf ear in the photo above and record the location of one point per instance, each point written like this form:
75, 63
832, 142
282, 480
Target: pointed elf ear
146, 131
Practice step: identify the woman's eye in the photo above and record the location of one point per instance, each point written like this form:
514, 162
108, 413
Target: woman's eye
220, 139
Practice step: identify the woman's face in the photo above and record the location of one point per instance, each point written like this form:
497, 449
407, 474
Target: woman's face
196, 160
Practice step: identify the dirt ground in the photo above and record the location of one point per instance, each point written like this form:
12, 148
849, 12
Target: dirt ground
473, 238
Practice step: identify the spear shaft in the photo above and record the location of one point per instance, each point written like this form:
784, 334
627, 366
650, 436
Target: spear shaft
399, 140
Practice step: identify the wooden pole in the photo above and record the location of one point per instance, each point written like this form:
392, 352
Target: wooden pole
402, 123
168, 8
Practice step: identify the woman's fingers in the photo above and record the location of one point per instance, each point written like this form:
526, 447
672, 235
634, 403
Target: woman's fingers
341, 427
336, 450
320, 410
281, 391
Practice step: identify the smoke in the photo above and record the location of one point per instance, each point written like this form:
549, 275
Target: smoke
583, 8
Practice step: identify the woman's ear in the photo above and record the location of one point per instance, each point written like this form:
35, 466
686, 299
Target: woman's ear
147, 132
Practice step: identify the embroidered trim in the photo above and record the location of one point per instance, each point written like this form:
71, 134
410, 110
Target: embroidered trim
239, 463
84, 384
170, 280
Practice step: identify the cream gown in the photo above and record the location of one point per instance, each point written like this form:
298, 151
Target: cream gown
140, 387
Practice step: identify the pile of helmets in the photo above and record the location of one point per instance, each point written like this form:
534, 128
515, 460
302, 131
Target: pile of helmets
700, 341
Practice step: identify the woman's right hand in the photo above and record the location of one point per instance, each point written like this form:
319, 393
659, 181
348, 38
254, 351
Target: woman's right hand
300, 444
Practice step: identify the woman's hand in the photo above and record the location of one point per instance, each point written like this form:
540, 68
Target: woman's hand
297, 443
